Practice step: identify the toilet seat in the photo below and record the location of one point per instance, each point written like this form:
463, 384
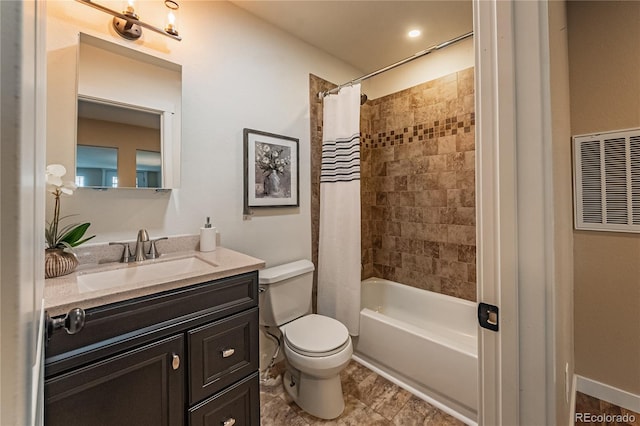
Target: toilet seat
316, 336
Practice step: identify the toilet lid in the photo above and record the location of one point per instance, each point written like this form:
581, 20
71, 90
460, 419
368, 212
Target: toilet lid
316, 334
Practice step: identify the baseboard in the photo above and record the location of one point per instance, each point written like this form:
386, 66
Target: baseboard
604, 392
404, 385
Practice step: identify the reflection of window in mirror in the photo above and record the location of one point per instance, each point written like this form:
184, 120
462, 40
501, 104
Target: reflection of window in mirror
133, 133
96, 166
148, 170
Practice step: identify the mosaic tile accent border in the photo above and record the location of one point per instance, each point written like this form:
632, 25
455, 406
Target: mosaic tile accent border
421, 132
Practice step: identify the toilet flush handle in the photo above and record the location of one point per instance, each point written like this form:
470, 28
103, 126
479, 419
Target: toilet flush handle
262, 289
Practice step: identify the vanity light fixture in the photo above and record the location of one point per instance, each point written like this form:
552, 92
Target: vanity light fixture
128, 23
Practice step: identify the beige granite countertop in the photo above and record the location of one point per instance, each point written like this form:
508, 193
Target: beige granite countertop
67, 292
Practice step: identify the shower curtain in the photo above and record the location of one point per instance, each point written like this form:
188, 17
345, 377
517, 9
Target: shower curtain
339, 253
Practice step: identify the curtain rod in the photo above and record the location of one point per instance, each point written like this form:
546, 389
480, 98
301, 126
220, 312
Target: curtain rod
397, 64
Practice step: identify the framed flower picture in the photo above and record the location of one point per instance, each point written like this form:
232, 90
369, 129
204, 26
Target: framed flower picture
271, 171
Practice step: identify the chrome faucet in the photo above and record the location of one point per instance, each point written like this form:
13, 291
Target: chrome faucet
139, 253
143, 236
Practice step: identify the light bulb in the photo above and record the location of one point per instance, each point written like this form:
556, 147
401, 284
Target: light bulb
170, 23
129, 8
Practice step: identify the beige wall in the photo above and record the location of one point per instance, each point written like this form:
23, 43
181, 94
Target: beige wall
237, 72
563, 208
604, 61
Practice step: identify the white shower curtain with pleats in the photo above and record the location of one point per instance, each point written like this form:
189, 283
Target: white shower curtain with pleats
339, 252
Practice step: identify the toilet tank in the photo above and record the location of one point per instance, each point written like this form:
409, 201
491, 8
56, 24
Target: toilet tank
285, 292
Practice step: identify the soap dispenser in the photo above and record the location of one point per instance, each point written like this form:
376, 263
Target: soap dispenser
207, 237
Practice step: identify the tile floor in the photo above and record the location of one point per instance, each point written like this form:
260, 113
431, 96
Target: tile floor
371, 400
589, 405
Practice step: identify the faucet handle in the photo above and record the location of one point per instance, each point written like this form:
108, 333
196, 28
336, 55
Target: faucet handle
126, 253
153, 251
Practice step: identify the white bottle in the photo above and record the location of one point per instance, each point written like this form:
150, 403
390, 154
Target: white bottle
207, 237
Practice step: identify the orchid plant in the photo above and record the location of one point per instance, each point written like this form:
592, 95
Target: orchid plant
68, 236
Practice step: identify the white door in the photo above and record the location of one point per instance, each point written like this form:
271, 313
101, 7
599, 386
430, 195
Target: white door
514, 203
22, 157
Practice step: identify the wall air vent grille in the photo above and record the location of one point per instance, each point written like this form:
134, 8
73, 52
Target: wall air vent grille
607, 181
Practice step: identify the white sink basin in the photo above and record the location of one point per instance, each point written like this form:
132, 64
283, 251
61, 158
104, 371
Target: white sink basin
145, 273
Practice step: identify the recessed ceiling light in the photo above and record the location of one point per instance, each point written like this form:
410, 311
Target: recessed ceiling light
414, 33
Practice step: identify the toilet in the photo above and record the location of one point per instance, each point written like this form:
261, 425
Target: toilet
316, 348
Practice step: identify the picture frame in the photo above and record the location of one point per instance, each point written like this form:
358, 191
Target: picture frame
271, 170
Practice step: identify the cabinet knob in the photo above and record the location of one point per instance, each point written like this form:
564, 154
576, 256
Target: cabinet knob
229, 422
228, 352
73, 322
175, 362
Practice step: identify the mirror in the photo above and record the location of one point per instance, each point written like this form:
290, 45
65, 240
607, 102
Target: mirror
128, 118
118, 146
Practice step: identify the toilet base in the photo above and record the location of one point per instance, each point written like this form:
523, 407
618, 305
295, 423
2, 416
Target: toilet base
321, 398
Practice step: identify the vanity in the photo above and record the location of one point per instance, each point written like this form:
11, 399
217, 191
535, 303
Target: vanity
173, 344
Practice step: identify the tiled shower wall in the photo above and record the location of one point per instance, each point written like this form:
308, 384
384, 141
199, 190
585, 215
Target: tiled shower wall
418, 186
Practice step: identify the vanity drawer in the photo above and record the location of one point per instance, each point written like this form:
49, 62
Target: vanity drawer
116, 327
238, 405
221, 353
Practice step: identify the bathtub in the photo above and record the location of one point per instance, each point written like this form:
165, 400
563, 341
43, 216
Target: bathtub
425, 342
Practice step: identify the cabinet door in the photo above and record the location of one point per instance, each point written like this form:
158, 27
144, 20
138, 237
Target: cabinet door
221, 353
238, 405
144, 386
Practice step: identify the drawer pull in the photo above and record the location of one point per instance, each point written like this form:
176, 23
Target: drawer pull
175, 362
226, 354
229, 422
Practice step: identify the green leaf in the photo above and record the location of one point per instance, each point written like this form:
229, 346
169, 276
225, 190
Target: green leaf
66, 229
64, 245
74, 235
84, 241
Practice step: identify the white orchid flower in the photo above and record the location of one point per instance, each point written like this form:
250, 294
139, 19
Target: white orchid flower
67, 236
54, 173
68, 187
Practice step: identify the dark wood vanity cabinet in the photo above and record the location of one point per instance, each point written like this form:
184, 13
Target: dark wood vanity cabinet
183, 357
138, 387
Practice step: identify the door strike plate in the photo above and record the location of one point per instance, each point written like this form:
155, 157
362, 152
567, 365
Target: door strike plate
488, 316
